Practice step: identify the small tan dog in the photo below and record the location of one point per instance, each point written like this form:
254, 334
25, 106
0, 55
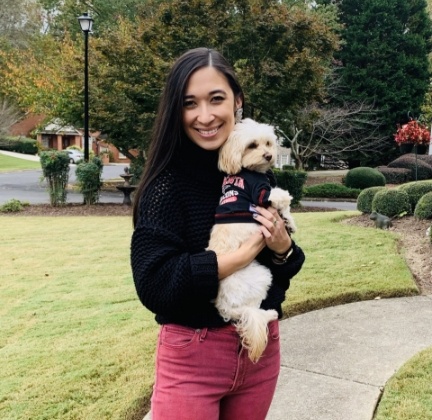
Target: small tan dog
249, 152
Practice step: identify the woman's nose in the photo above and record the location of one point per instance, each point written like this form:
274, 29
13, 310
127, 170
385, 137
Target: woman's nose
205, 115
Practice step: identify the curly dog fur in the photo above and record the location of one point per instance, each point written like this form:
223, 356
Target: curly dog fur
251, 145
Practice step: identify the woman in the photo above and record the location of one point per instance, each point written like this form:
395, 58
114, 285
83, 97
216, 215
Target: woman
202, 371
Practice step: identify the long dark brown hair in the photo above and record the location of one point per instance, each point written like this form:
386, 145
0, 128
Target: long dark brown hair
168, 129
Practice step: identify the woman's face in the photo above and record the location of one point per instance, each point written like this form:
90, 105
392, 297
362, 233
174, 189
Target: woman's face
208, 108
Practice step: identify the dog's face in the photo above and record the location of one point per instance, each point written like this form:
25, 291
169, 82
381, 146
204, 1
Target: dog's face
251, 145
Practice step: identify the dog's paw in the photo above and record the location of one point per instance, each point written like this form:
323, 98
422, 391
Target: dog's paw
280, 199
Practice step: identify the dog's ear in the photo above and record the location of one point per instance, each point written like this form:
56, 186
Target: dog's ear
230, 154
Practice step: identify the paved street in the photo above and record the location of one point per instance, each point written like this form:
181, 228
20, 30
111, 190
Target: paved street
27, 186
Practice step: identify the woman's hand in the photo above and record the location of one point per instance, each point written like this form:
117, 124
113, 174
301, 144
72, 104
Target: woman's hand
273, 229
240, 258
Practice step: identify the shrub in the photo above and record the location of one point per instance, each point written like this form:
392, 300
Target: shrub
292, 181
416, 190
425, 158
330, 190
89, 180
391, 202
364, 177
419, 166
423, 209
13, 206
19, 145
288, 167
364, 200
136, 169
55, 169
395, 175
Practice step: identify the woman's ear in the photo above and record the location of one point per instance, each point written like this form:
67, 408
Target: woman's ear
230, 154
238, 103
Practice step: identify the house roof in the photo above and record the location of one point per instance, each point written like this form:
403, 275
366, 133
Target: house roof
58, 127
26, 125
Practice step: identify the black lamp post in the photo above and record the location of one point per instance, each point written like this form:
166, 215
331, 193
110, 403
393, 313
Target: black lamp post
86, 23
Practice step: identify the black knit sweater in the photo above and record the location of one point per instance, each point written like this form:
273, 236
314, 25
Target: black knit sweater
175, 277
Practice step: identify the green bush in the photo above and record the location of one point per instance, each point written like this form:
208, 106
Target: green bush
365, 198
391, 202
416, 166
136, 168
423, 209
416, 190
330, 190
364, 177
19, 145
395, 175
13, 206
288, 167
292, 181
89, 180
425, 158
55, 169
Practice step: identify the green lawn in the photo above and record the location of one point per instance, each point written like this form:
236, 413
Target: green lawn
12, 164
75, 341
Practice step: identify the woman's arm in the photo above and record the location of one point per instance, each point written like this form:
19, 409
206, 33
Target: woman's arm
168, 277
230, 263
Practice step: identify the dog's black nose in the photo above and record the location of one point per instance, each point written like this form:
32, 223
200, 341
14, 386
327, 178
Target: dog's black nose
268, 157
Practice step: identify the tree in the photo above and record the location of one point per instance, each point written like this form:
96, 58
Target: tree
19, 21
334, 131
385, 57
281, 53
9, 115
61, 15
44, 78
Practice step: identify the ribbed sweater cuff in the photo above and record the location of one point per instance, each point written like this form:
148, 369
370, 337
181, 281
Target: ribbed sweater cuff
204, 270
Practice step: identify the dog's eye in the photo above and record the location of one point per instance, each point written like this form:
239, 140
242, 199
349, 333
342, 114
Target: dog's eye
268, 144
252, 146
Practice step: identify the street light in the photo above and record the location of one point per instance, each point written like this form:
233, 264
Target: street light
86, 23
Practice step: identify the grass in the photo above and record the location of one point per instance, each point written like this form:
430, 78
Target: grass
344, 263
75, 342
408, 395
12, 164
74, 339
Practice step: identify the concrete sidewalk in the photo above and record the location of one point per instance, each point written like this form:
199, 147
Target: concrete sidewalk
336, 361
33, 158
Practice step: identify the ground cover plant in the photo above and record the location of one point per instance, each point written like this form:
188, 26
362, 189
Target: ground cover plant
78, 344
12, 164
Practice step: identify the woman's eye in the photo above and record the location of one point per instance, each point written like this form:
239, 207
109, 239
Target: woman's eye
218, 98
188, 104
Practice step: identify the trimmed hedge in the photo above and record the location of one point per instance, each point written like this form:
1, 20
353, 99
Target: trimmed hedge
364, 177
416, 190
391, 202
423, 209
365, 198
331, 190
395, 175
292, 181
408, 161
19, 145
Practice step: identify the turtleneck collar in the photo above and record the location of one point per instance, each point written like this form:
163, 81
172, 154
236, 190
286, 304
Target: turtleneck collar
197, 162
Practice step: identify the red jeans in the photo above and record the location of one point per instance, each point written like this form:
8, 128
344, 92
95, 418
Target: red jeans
206, 374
